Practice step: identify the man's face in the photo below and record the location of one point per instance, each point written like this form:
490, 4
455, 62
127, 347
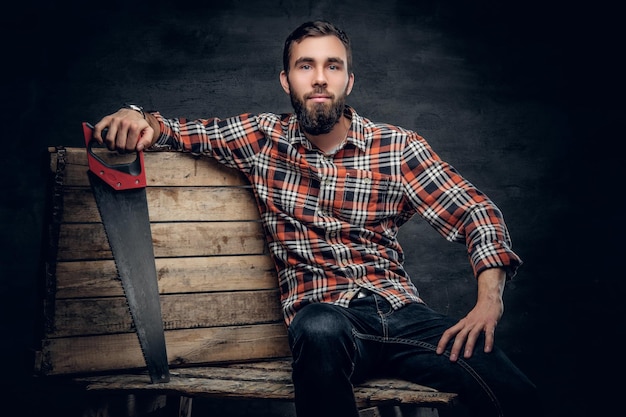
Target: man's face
318, 82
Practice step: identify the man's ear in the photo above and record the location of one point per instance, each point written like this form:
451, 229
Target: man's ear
284, 81
350, 84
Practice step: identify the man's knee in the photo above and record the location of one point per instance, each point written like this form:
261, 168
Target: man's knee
322, 331
320, 320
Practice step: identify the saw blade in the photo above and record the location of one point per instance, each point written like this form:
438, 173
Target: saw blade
120, 194
126, 222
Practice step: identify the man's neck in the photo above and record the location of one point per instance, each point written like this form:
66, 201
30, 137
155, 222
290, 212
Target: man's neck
328, 143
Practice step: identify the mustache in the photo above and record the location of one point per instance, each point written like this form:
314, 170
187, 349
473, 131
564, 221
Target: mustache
318, 92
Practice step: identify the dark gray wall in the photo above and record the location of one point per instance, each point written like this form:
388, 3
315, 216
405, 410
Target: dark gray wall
509, 94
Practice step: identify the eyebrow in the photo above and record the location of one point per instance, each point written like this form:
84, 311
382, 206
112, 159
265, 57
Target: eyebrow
309, 60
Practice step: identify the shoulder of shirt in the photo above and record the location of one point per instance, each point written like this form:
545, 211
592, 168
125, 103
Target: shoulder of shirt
371, 130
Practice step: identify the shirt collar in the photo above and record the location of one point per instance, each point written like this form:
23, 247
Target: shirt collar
356, 134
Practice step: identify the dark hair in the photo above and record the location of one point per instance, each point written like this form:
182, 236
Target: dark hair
316, 28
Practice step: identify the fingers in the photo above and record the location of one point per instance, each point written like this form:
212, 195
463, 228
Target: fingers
464, 339
98, 129
490, 336
445, 339
126, 131
458, 333
145, 138
470, 343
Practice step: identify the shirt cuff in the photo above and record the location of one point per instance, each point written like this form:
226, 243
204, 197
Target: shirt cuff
495, 255
164, 141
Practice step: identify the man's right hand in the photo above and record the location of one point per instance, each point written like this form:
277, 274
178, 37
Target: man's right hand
127, 131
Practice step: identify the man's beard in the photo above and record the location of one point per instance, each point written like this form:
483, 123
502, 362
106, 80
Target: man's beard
321, 118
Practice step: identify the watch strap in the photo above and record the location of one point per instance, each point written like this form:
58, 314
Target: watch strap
136, 108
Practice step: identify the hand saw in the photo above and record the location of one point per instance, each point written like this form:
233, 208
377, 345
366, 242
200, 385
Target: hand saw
120, 193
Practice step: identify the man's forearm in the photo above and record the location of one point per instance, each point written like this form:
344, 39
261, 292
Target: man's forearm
491, 285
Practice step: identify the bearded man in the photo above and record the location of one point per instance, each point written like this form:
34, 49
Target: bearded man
333, 188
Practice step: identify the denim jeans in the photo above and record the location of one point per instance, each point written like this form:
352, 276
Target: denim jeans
334, 347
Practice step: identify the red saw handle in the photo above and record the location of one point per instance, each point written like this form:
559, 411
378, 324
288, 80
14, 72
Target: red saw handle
120, 176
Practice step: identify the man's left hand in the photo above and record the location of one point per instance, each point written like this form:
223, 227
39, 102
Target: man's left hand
483, 318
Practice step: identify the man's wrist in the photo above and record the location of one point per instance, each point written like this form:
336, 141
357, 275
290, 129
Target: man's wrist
136, 108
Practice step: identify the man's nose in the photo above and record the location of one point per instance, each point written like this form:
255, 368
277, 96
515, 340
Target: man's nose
320, 78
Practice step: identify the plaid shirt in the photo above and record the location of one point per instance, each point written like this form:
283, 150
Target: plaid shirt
332, 221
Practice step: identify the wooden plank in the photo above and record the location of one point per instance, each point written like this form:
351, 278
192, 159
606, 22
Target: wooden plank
93, 316
280, 371
367, 396
195, 387
162, 168
175, 275
184, 406
273, 382
172, 204
184, 347
88, 241
369, 412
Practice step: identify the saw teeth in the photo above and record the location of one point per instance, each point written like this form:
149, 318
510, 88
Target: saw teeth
155, 375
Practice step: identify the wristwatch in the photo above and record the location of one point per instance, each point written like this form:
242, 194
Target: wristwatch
136, 108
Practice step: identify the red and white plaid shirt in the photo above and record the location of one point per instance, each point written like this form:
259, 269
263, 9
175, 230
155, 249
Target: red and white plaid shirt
332, 221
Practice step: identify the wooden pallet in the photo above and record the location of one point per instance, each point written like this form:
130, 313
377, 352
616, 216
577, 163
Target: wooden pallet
223, 325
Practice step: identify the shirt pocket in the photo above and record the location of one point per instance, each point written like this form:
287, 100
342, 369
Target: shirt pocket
368, 197
290, 188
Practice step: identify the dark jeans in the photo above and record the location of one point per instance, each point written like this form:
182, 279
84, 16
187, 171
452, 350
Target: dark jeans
334, 347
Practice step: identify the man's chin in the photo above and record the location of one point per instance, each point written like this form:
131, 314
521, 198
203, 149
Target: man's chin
314, 107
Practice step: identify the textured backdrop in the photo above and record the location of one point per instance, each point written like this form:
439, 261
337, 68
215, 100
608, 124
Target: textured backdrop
511, 95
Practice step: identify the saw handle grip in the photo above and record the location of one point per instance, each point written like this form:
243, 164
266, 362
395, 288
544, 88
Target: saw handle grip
123, 176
